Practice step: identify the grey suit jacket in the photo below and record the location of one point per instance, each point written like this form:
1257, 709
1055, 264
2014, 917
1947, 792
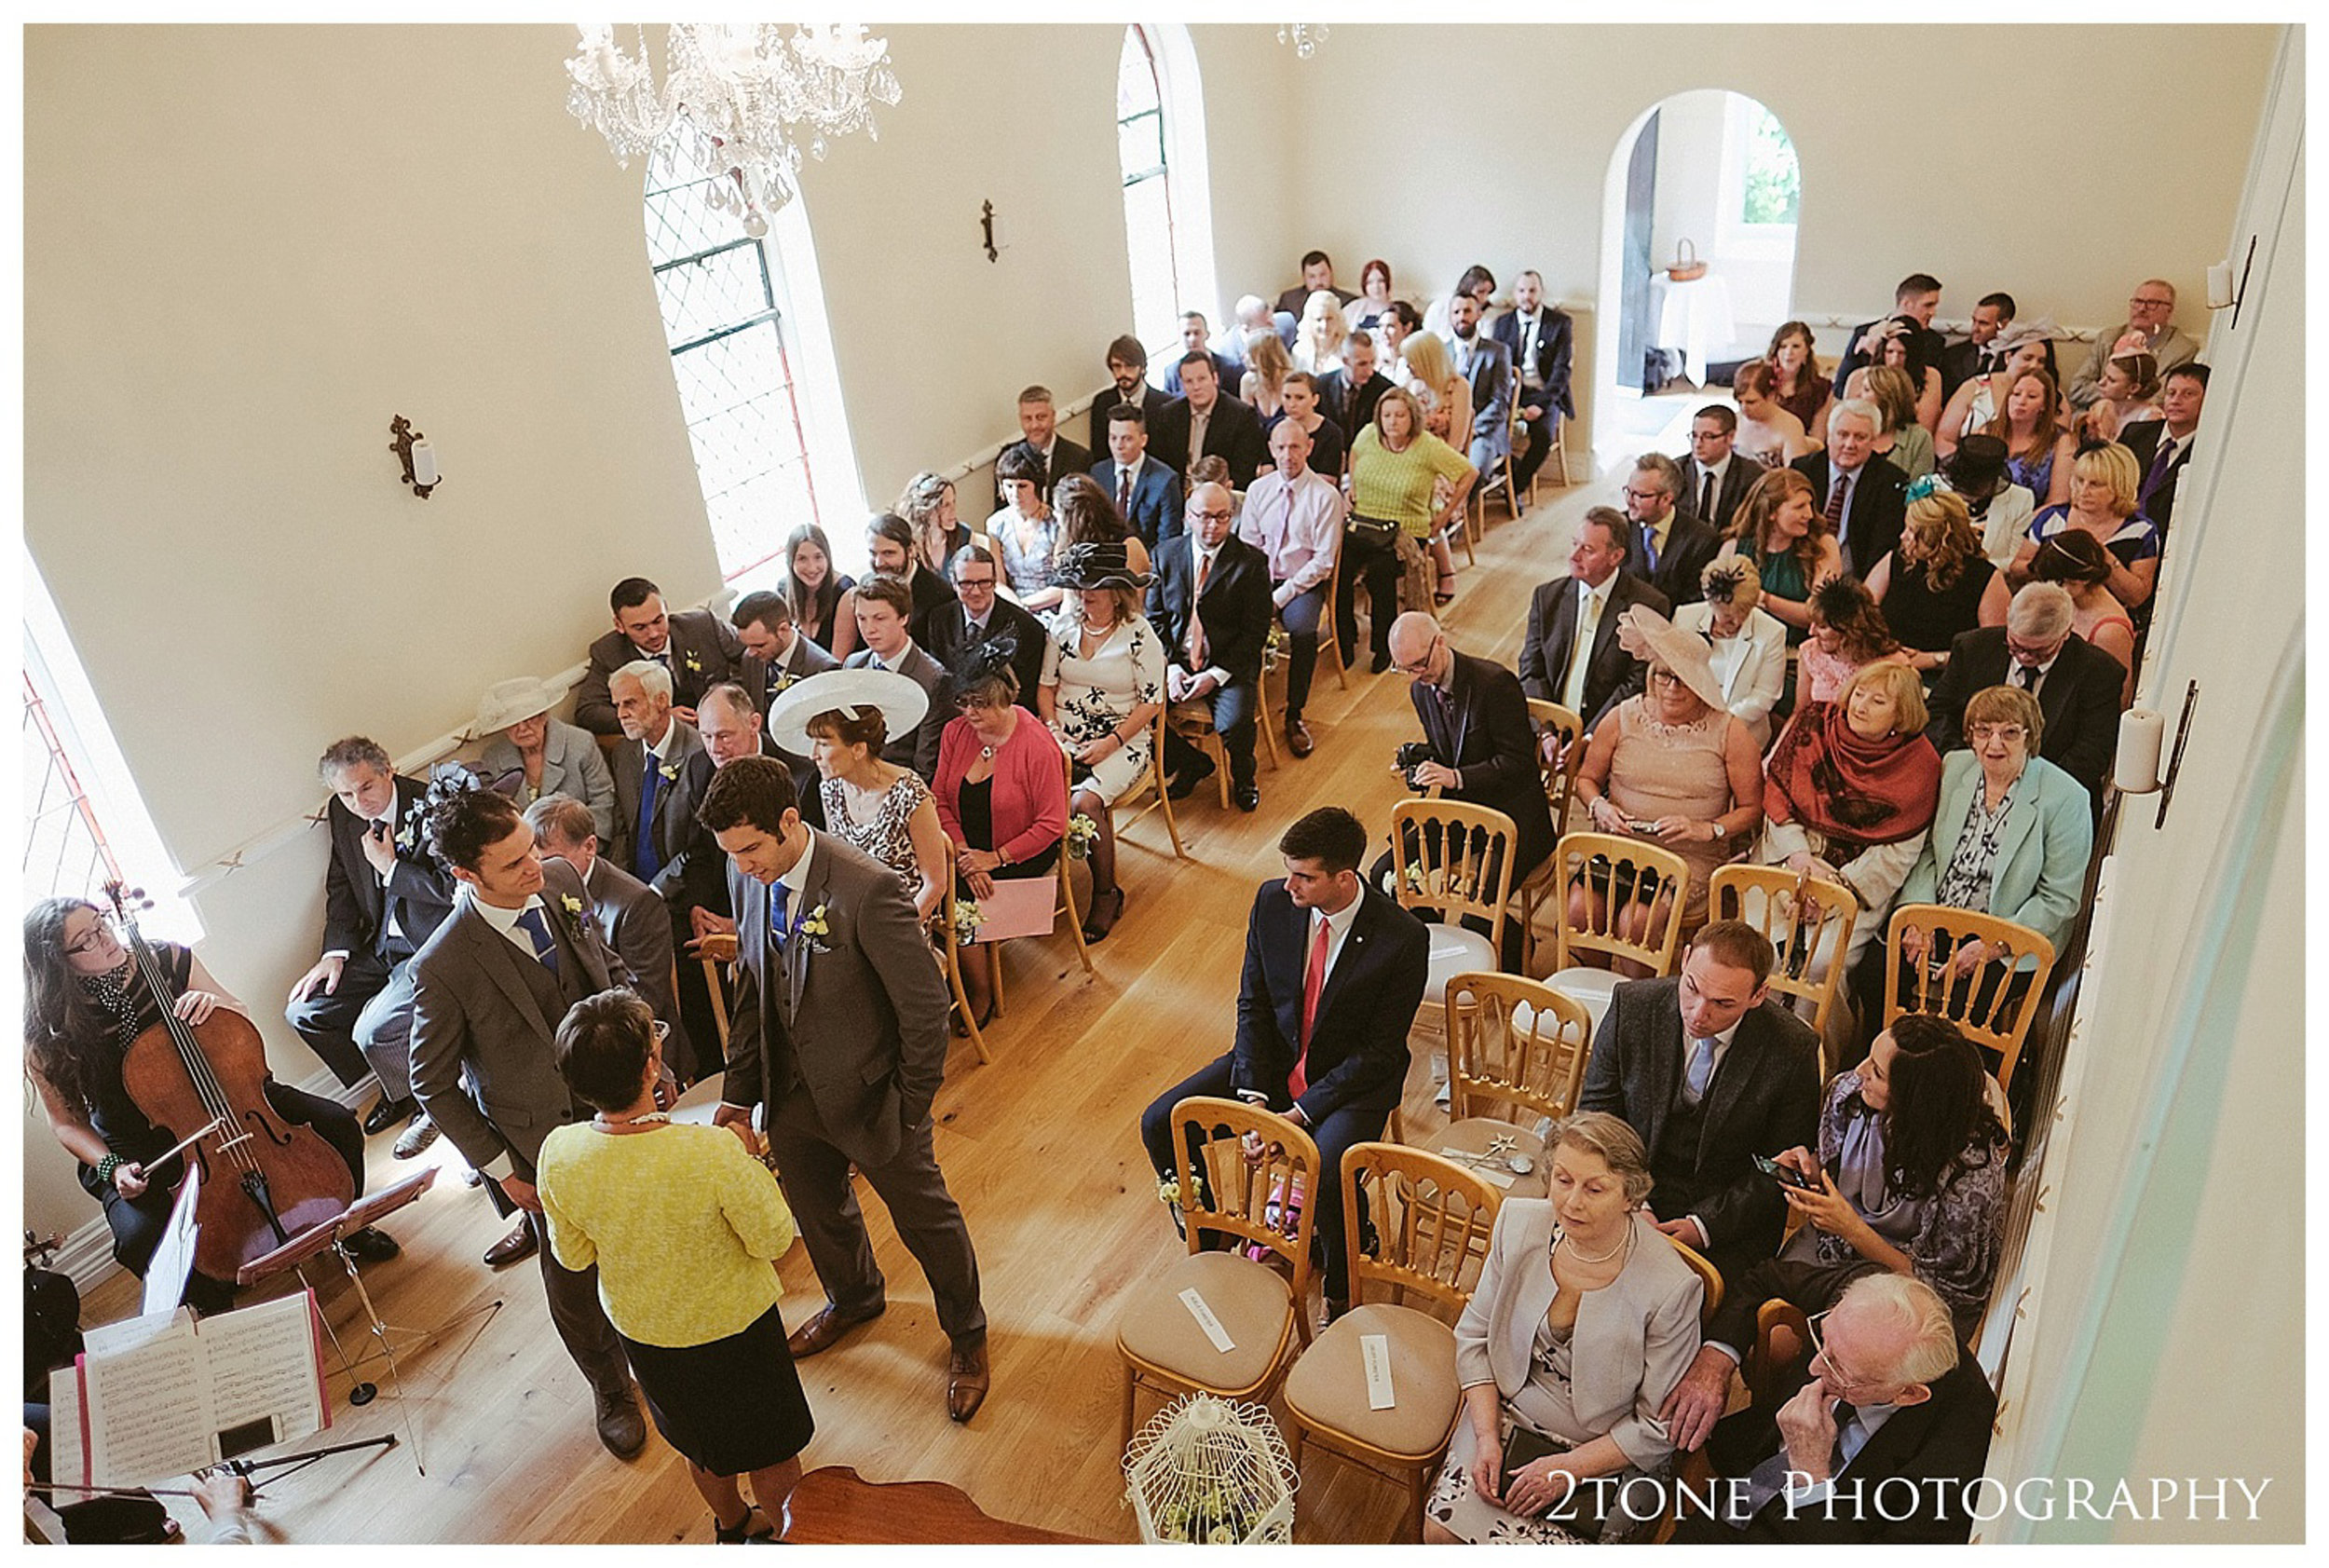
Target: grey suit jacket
573, 763
803, 660
705, 651
1634, 1338
482, 1062
1765, 1097
674, 819
1491, 381
918, 750
637, 925
862, 1006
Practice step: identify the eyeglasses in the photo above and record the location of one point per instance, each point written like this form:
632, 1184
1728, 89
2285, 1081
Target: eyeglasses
100, 934
1838, 1378
2139, 302
1422, 664
2009, 733
662, 1031
1634, 495
962, 582
1667, 676
1212, 516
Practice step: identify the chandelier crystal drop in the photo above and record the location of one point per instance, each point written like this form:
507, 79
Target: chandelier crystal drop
1304, 36
750, 96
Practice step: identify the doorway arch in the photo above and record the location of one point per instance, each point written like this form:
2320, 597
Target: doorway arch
1716, 168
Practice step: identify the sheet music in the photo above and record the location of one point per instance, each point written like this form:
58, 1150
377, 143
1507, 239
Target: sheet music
145, 1410
160, 1390
261, 1361
68, 1451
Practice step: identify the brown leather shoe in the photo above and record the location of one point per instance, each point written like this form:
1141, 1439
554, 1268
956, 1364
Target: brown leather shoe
621, 1425
967, 1380
518, 1245
1298, 738
824, 1331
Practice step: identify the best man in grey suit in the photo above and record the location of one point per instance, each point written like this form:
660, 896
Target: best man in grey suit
1711, 1071
491, 986
839, 1031
660, 772
775, 653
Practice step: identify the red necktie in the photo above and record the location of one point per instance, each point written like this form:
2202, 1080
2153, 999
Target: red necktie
1835, 500
1313, 982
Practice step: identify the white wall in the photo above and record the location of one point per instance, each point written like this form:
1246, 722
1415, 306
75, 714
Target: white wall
2164, 1332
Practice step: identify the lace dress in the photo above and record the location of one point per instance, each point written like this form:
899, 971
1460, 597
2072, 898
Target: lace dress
1663, 769
1097, 694
885, 837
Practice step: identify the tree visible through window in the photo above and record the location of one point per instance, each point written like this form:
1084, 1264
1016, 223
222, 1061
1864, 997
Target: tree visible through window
729, 355
1773, 180
1149, 242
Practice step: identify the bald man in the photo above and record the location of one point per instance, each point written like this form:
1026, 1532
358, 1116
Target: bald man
1211, 604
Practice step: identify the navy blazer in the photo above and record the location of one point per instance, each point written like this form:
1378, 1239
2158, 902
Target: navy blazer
1227, 369
952, 621
1556, 344
356, 903
1690, 544
1359, 1053
1236, 605
1350, 407
1232, 434
1156, 501
1152, 403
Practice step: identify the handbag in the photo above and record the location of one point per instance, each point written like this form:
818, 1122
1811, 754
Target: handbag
1376, 533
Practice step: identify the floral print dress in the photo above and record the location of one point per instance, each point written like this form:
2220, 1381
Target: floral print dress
1097, 694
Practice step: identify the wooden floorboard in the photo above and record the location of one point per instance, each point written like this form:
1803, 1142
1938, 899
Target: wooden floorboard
1042, 1149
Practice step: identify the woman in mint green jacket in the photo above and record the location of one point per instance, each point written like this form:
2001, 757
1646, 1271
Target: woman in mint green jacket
2014, 833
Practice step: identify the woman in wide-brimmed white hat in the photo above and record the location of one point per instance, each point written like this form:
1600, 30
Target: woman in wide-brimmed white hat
841, 719
531, 755
1673, 766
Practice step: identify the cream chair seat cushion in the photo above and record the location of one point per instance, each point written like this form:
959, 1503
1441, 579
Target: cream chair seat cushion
1326, 1390
1253, 1302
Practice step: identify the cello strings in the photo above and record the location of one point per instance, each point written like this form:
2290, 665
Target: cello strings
197, 1067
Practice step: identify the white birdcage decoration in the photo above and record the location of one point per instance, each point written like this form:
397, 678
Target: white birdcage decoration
1208, 1472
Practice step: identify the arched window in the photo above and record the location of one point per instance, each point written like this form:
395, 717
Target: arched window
1160, 149
754, 366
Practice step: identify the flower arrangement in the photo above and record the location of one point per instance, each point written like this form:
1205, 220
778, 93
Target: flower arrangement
1169, 1191
966, 918
1081, 830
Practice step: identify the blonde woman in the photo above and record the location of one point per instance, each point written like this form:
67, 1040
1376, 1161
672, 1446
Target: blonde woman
1749, 643
1266, 366
2103, 483
1936, 583
927, 504
1446, 397
1318, 338
1395, 469
2126, 393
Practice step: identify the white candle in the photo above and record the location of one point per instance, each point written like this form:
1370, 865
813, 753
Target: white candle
424, 464
2142, 733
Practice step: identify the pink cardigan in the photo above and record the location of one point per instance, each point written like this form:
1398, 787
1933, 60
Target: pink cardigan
1030, 793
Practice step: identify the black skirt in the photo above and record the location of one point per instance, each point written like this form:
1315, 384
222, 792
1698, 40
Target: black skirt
728, 1406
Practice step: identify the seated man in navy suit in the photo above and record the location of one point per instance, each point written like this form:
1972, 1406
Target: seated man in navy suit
1128, 367
1334, 973
1146, 492
1194, 337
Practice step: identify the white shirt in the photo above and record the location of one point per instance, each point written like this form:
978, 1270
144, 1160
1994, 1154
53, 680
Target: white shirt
660, 751
1338, 935
1698, 472
1298, 525
1528, 328
1721, 1049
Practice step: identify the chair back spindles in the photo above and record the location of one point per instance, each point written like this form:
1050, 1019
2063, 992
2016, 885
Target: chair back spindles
1808, 921
1453, 859
1498, 1063
1426, 1231
1267, 1203
1995, 1004
1560, 778
1618, 868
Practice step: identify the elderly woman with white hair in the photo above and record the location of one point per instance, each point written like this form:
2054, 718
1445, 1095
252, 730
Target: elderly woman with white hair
1584, 1320
1749, 643
531, 755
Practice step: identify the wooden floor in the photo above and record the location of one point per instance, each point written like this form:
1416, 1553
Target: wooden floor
1042, 1149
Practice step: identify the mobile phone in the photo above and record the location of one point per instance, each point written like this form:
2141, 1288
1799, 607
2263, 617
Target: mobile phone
1787, 1176
1646, 826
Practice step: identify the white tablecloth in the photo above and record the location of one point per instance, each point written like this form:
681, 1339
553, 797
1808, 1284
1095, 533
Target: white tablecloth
1694, 317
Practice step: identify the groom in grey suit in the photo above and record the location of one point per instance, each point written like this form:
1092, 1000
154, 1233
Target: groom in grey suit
490, 988
839, 1031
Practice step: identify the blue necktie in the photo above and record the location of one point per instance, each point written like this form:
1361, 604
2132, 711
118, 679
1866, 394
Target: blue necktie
1701, 1071
780, 904
545, 950
644, 862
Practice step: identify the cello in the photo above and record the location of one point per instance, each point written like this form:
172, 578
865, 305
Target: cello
264, 1180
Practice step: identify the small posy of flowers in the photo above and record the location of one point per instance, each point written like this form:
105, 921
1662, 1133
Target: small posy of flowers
1169, 1191
408, 837
1081, 830
670, 771
812, 923
785, 682
965, 916
695, 665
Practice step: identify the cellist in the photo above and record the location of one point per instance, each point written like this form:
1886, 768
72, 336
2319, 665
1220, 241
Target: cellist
84, 1004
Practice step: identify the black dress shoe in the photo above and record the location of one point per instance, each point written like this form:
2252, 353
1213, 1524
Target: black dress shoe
390, 1114
1184, 783
1383, 662
1248, 797
371, 1245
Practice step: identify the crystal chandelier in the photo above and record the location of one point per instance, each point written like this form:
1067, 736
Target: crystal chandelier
1304, 36
745, 94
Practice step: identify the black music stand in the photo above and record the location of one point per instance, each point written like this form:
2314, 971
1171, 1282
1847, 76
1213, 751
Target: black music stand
332, 1236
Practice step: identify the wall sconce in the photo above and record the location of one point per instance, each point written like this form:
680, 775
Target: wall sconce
419, 458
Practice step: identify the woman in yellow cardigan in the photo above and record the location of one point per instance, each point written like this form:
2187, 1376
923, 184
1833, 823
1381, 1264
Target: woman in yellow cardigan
685, 1227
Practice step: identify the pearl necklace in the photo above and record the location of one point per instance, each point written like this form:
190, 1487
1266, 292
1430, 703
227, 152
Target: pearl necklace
602, 1124
1575, 1251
